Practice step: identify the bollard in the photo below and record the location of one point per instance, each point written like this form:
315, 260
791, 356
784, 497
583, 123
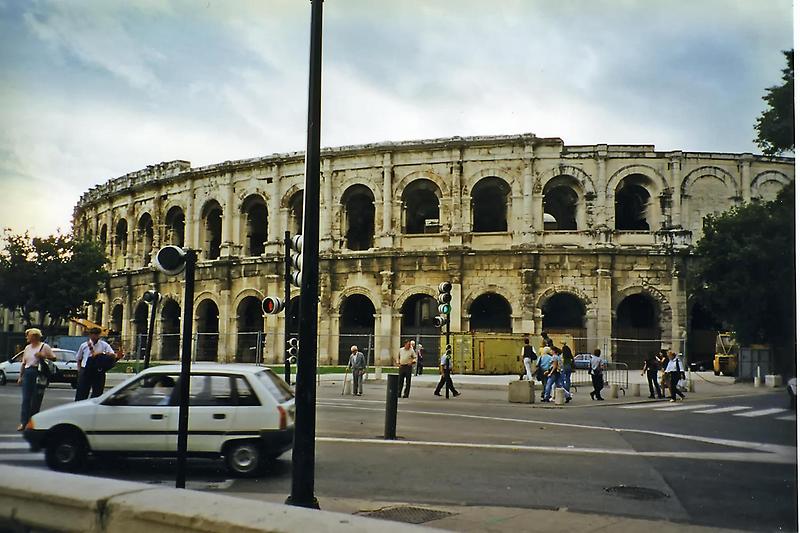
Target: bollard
348, 388
636, 389
559, 396
377, 375
390, 425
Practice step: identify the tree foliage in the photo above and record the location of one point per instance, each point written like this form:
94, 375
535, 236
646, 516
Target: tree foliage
53, 276
775, 126
743, 270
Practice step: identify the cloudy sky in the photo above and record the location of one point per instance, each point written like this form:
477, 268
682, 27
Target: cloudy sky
93, 89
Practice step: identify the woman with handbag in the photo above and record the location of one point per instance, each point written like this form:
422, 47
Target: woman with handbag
33, 375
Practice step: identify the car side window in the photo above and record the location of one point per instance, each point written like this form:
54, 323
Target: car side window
149, 390
244, 393
210, 390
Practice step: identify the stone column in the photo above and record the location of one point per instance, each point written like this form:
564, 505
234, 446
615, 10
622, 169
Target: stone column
678, 304
130, 215
676, 214
327, 208
229, 212
226, 351
604, 301
330, 339
527, 224
744, 175
191, 231
604, 218
275, 227
457, 211
385, 238
383, 337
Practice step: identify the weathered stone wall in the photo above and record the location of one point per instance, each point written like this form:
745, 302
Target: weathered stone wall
526, 263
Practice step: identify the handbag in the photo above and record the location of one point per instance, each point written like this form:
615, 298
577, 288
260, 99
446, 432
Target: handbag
44, 374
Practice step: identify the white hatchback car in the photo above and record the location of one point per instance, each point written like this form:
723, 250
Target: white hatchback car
244, 413
64, 369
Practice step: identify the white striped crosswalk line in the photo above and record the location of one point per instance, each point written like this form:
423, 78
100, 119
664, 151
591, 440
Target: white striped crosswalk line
684, 407
762, 412
647, 405
18, 457
14, 446
728, 409
792, 417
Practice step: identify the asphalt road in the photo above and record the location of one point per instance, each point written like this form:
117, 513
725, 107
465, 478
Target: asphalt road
733, 465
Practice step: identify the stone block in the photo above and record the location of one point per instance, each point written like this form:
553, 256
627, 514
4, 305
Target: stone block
521, 391
773, 380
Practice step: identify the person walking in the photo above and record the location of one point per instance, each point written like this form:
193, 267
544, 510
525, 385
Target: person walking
528, 356
33, 375
651, 366
405, 360
420, 353
675, 374
546, 340
445, 368
596, 370
662, 360
94, 357
543, 368
569, 364
357, 364
416, 356
555, 377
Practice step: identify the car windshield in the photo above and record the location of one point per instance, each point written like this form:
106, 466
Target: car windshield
64, 355
275, 385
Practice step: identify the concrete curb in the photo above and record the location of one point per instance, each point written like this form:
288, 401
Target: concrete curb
32, 499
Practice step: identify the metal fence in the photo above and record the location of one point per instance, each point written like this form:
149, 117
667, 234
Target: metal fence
614, 374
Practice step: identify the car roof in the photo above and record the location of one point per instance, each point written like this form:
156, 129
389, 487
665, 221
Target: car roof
237, 368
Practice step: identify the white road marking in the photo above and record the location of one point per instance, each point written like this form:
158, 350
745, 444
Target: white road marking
703, 456
792, 417
11, 435
7, 457
647, 405
14, 446
763, 412
684, 407
729, 409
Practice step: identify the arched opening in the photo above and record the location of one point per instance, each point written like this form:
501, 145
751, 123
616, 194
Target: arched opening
356, 326
140, 316
490, 313
417, 324
212, 224
565, 314
359, 217
561, 203
207, 331
249, 329
701, 341
421, 207
296, 213
170, 330
254, 211
633, 205
175, 223
115, 326
104, 236
121, 242
145, 233
490, 205
636, 330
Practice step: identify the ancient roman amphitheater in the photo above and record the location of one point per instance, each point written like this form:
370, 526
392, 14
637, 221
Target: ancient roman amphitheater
588, 242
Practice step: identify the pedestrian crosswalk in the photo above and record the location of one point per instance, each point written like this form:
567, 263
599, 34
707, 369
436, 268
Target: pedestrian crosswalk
711, 409
14, 450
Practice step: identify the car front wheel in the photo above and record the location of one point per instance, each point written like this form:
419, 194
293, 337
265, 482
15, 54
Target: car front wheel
66, 451
244, 458
3, 379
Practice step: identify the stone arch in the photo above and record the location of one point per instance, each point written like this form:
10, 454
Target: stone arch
493, 172
350, 291
762, 178
561, 289
145, 236
711, 171
638, 204
247, 192
659, 181
417, 312
211, 217
249, 329
357, 212
356, 324
377, 192
254, 217
490, 312
289, 194
244, 294
205, 295
470, 297
659, 297
293, 202
490, 204
563, 203
207, 319
587, 186
175, 225
170, 316
411, 291
422, 201
440, 183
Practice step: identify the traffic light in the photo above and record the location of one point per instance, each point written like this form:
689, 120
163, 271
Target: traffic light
171, 260
440, 321
272, 305
293, 350
445, 307
150, 297
296, 260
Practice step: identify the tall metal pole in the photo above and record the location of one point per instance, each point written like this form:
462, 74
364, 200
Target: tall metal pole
305, 389
150, 331
287, 294
186, 362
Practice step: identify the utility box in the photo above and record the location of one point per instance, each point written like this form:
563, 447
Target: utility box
521, 391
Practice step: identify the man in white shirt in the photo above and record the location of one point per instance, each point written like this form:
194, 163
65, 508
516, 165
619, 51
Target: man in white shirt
406, 358
90, 376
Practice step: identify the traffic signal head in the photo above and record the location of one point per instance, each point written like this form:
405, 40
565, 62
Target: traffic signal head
171, 260
445, 309
445, 286
150, 297
271, 305
293, 348
445, 297
296, 260
440, 321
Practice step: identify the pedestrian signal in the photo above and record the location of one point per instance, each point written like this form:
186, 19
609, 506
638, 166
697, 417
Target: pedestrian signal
171, 260
271, 305
440, 320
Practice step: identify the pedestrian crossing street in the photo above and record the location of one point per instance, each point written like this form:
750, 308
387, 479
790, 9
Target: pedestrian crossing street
743, 411
14, 449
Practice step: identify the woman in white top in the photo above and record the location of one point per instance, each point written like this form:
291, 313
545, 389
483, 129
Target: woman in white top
32, 392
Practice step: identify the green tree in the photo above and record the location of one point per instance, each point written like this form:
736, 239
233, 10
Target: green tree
743, 272
53, 276
775, 126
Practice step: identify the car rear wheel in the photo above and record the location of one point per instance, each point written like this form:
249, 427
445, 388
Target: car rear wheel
3, 379
66, 451
245, 459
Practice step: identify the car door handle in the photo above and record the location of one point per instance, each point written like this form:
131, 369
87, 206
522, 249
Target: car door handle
157, 416
219, 416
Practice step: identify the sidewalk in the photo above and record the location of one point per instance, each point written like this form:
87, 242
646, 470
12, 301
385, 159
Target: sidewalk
498, 519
